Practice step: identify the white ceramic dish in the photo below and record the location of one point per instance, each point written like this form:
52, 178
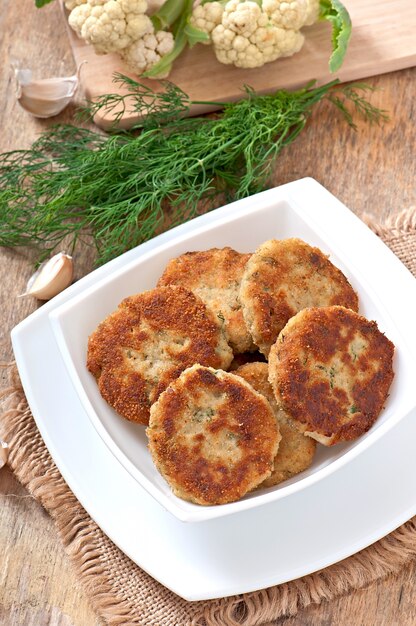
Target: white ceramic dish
302, 209
286, 538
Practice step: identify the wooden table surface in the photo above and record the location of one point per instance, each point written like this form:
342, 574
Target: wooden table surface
373, 171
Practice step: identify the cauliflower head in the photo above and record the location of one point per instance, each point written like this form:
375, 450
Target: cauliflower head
250, 35
144, 53
110, 25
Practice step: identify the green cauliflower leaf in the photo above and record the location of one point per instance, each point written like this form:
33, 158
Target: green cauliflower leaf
334, 11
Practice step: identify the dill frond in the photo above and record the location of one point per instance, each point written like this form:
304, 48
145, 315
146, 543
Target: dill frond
125, 187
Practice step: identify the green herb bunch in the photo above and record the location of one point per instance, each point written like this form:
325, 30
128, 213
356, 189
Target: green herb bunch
125, 187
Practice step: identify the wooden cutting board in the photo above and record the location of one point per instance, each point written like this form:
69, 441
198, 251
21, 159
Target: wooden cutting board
383, 40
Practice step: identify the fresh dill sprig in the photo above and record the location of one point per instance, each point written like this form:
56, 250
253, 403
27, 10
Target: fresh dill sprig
125, 187
353, 94
151, 107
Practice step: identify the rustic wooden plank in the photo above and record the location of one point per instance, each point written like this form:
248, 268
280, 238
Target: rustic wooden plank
383, 40
38, 586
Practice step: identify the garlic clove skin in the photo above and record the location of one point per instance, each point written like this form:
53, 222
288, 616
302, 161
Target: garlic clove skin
51, 278
4, 453
23, 77
46, 97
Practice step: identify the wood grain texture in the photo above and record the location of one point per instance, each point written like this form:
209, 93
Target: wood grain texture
37, 584
372, 171
383, 40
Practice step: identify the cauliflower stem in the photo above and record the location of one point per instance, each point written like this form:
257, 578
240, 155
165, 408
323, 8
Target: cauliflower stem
168, 14
184, 34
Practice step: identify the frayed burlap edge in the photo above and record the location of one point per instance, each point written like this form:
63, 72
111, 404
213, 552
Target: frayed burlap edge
399, 233
121, 593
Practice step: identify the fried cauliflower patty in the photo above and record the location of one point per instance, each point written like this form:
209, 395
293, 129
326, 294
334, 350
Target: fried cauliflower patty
215, 276
283, 277
212, 436
296, 451
147, 342
331, 370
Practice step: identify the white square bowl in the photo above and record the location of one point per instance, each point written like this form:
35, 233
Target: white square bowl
301, 209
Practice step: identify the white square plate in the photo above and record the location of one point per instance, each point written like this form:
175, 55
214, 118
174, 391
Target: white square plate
340, 512
278, 213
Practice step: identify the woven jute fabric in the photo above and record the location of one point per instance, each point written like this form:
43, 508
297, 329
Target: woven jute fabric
124, 594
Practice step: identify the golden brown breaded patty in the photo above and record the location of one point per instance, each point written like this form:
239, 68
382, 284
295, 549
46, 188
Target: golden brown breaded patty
283, 277
331, 370
147, 342
215, 276
212, 436
296, 451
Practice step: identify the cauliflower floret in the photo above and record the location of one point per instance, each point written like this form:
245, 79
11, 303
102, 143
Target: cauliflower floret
111, 25
264, 46
243, 17
143, 54
206, 17
288, 42
71, 4
290, 14
248, 37
313, 12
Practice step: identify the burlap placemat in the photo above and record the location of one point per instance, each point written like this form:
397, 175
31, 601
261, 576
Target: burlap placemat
122, 593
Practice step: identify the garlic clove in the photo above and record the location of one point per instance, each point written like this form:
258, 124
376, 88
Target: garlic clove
46, 97
52, 277
4, 453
